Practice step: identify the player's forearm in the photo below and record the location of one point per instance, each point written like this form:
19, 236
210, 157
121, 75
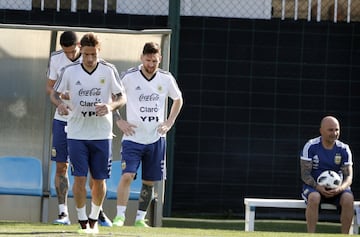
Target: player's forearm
306, 167
118, 101
116, 115
55, 98
48, 89
49, 86
175, 110
347, 172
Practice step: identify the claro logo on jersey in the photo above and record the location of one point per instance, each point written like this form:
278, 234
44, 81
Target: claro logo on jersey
90, 99
154, 109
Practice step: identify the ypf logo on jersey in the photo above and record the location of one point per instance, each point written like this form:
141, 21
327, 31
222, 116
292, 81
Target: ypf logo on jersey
337, 158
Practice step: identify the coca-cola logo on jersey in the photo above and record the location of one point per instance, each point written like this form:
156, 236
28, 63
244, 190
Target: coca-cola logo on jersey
91, 92
152, 97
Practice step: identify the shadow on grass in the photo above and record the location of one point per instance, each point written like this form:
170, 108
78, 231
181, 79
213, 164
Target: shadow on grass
260, 225
295, 226
203, 223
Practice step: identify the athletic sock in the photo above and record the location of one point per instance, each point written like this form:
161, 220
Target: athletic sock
95, 210
140, 215
63, 209
81, 213
120, 210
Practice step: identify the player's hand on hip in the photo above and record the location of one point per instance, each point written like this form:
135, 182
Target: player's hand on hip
126, 127
164, 127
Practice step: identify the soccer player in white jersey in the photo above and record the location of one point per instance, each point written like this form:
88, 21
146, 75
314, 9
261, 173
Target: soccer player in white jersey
69, 53
327, 153
95, 90
147, 89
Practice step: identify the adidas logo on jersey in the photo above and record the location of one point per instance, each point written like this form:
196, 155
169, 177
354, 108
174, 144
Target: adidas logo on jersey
78, 83
138, 88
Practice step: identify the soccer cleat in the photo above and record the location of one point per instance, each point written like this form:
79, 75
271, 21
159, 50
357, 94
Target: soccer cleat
141, 223
63, 220
104, 220
118, 221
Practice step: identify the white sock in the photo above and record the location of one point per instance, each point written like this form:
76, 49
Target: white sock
95, 210
81, 213
120, 210
63, 209
140, 215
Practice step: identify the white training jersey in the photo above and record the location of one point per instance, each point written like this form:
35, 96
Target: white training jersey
86, 90
146, 102
57, 60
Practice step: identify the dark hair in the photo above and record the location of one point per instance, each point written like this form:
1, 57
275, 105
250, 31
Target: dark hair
151, 48
68, 38
90, 39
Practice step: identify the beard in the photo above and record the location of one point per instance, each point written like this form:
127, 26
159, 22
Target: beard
149, 70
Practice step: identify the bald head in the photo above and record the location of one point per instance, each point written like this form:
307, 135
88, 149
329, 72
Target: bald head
329, 130
327, 120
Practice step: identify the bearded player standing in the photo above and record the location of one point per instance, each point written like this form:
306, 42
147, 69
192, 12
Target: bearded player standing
147, 88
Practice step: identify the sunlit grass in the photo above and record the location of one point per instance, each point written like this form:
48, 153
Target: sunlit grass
179, 227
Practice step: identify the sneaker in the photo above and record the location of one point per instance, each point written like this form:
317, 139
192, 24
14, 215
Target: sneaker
118, 221
141, 223
84, 226
86, 229
63, 220
93, 224
104, 220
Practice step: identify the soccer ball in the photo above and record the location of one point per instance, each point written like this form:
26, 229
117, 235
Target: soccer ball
330, 179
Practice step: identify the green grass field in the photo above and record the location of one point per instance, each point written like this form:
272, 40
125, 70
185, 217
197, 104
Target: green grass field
179, 227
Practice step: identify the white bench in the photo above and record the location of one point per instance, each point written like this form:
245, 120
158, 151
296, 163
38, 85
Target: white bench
252, 203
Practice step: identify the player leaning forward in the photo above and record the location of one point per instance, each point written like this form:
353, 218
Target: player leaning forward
95, 91
327, 153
